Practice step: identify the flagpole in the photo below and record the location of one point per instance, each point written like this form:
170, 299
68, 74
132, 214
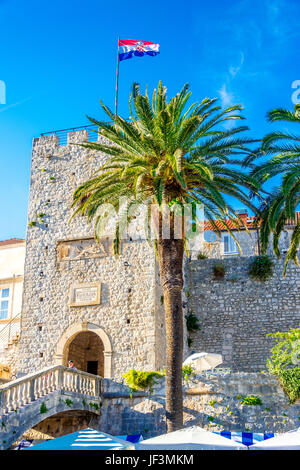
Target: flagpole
117, 80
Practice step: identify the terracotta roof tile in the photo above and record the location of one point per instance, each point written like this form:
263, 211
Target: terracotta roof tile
249, 222
11, 241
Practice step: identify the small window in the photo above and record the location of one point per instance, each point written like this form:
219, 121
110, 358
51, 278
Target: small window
4, 303
229, 245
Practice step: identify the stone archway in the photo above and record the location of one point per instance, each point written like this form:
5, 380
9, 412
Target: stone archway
75, 338
86, 351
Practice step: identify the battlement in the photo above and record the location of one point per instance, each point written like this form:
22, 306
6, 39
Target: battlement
63, 137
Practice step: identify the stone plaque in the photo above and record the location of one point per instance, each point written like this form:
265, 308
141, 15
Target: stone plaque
76, 250
85, 294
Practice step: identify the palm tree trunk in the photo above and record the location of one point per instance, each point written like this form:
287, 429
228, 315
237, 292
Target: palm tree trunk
170, 258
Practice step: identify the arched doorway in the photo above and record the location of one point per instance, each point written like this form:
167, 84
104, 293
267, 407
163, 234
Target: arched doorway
87, 352
88, 346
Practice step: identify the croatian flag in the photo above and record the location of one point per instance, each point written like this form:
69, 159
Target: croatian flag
129, 48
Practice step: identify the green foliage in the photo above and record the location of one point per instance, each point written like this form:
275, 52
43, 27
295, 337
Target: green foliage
169, 152
94, 405
189, 341
32, 223
83, 402
261, 268
68, 402
251, 400
286, 351
43, 408
290, 381
52, 178
41, 215
281, 204
187, 371
219, 270
162, 299
212, 403
43, 169
211, 418
201, 256
142, 379
192, 322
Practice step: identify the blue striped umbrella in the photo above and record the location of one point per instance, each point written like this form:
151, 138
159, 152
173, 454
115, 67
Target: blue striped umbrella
246, 438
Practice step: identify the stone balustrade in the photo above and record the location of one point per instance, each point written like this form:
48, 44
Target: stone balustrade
23, 391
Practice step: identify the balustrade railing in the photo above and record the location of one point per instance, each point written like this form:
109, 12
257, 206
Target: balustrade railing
25, 390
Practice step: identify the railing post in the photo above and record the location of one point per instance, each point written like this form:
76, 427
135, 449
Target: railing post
60, 384
31, 390
97, 387
2, 396
78, 383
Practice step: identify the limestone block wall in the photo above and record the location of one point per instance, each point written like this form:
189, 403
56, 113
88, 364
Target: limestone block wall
237, 312
127, 313
211, 401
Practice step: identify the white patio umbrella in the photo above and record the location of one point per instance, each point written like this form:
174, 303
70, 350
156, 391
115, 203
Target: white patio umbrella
87, 439
286, 441
203, 361
193, 437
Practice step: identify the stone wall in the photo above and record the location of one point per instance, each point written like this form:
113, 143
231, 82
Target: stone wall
211, 400
237, 312
127, 313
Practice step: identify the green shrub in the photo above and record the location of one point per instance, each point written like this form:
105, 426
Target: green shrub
142, 379
290, 381
32, 223
251, 400
187, 371
261, 268
286, 351
43, 408
285, 354
201, 256
192, 322
219, 271
189, 341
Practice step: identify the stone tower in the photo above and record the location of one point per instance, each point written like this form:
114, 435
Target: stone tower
80, 302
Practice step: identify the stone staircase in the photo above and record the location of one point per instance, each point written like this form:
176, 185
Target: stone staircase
29, 400
10, 334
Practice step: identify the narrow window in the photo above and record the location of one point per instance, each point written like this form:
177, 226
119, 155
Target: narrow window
4, 303
229, 245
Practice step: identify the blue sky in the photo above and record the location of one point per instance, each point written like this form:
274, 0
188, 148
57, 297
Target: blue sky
59, 58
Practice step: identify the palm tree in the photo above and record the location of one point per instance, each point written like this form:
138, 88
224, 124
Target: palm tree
168, 155
283, 201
